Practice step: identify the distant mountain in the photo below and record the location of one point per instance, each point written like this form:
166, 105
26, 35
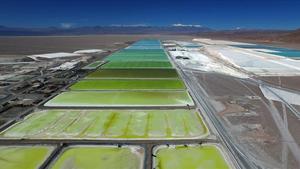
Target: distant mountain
9, 31
255, 35
293, 36
250, 34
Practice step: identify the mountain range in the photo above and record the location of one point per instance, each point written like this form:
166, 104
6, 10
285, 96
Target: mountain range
92, 30
176, 29
289, 36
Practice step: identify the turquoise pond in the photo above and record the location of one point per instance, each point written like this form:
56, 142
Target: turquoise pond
286, 52
148, 44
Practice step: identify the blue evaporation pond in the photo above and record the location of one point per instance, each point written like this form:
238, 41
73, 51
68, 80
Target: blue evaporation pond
144, 47
148, 44
286, 52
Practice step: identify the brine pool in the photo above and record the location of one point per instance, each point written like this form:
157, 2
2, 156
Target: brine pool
286, 52
29, 157
129, 84
100, 157
206, 156
133, 73
137, 65
121, 99
109, 124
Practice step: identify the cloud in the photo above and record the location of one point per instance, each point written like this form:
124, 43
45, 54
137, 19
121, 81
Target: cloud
184, 25
66, 25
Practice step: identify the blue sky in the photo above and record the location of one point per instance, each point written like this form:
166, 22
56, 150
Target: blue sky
218, 14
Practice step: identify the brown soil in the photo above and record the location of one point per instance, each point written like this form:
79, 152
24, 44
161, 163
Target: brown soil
47, 44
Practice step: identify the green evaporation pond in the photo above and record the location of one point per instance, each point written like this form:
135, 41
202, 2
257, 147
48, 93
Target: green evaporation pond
93, 65
27, 157
138, 55
148, 51
136, 58
121, 98
140, 52
109, 124
147, 42
132, 73
129, 84
100, 157
191, 157
137, 65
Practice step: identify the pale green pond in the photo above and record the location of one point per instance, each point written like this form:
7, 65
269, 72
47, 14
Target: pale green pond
121, 99
191, 157
100, 157
27, 157
137, 65
104, 124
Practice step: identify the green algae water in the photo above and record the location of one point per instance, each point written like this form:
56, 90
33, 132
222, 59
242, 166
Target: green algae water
133, 73
191, 157
129, 84
121, 99
29, 157
100, 157
137, 65
109, 124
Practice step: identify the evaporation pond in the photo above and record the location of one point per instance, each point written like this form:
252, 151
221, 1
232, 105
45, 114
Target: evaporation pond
29, 157
121, 99
138, 65
190, 157
109, 124
133, 73
136, 58
148, 53
100, 157
128, 84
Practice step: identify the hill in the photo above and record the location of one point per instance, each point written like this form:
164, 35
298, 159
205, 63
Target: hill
292, 37
98, 30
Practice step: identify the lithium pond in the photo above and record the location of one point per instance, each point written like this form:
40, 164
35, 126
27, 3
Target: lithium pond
138, 65
109, 124
190, 157
100, 157
129, 84
29, 157
121, 99
133, 73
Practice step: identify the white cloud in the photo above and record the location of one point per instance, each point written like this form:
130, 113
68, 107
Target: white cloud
186, 25
66, 25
